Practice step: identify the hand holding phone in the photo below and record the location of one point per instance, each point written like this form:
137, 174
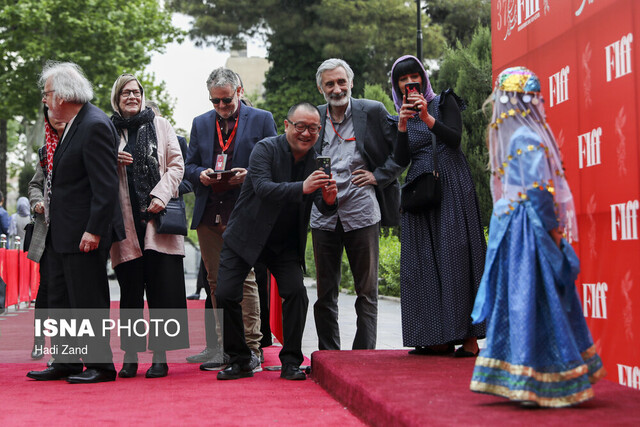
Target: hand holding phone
324, 163
409, 88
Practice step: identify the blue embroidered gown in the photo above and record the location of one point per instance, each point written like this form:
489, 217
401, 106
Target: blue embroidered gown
539, 348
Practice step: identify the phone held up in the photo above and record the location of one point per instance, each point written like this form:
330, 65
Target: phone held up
324, 163
411, 88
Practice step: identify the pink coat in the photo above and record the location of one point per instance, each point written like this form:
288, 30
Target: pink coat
171, 167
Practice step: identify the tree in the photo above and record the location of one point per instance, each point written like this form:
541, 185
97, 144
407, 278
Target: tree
468, 71
300, 34
104, 37
459, 18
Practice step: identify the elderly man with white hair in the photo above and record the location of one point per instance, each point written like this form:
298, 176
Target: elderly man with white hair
81, 208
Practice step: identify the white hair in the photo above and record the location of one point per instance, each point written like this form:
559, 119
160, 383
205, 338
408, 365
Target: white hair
332, 64
67, 81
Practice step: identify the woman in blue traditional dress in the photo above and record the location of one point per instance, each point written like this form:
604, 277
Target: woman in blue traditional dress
442, 249
539, 349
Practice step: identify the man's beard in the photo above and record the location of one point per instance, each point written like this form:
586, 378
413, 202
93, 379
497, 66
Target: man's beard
338, 101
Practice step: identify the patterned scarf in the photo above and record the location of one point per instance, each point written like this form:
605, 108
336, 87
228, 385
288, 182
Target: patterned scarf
51, 143
146, 173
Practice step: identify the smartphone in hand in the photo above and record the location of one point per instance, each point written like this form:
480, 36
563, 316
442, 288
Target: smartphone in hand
324, 163
413, 87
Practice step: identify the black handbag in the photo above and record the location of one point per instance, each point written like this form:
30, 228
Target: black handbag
28, 234
424, 192
173, 220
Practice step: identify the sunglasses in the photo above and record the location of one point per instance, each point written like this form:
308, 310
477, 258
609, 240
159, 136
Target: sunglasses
215, 101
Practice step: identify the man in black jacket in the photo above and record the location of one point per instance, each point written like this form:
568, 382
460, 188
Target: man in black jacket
269, 224
82, 209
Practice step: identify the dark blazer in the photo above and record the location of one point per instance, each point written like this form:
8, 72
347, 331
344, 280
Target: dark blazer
84, 183
375, 140
185, 185
265, 191
254, 124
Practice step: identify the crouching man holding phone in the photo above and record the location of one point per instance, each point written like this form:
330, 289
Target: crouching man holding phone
269, 224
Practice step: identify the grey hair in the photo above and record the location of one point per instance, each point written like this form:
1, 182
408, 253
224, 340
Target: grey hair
332, 64
68, 81
221, 77
154, 106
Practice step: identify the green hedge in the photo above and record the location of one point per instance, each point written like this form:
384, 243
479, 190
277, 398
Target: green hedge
389, 270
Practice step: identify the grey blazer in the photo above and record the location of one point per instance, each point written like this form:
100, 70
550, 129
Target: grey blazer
375, 140
40, 229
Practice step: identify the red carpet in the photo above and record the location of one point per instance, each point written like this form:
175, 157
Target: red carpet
390, 387
187, 396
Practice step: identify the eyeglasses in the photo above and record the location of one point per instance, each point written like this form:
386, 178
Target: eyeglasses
127, 93
301, 127
46, 92
215, 101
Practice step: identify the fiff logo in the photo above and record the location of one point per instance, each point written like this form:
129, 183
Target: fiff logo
624, 220
559, 86
581, 8
618, 57
594, 300
527, 9
589, 148
629, 376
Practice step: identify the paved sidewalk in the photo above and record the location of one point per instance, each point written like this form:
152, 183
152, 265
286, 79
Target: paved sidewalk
389, 323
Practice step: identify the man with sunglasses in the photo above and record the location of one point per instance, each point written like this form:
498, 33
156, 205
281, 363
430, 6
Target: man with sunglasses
221, 142
269, 225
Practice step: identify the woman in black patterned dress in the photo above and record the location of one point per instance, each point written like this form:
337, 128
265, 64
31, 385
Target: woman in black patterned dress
443, 249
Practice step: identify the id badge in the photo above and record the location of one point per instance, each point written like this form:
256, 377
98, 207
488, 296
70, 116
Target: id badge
221, 162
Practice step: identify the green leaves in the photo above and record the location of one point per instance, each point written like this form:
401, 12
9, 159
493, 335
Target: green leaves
103, 37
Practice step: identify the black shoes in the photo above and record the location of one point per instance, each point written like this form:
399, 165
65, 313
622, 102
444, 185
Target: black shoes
157, 370
91, 376
129, 370
206, 355
235, 372
292, 372
461, 352
428, 351
52, 374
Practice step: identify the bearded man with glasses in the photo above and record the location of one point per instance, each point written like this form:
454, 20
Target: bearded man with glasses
221, 142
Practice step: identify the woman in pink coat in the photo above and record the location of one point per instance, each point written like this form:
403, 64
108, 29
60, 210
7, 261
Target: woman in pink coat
150, 168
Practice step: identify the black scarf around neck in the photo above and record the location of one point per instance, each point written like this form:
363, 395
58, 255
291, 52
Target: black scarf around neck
146, 173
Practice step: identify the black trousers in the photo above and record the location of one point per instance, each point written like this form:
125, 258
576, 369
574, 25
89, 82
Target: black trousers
285, 267
362, 246
162, 276
79, 281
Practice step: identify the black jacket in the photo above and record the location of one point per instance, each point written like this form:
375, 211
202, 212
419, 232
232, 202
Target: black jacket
266, 189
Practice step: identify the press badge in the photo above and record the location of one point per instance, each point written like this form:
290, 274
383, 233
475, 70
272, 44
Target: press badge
221, 162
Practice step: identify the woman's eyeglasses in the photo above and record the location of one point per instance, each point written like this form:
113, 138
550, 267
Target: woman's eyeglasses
128, 93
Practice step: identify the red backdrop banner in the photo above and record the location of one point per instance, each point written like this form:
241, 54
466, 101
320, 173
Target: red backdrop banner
584, 52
